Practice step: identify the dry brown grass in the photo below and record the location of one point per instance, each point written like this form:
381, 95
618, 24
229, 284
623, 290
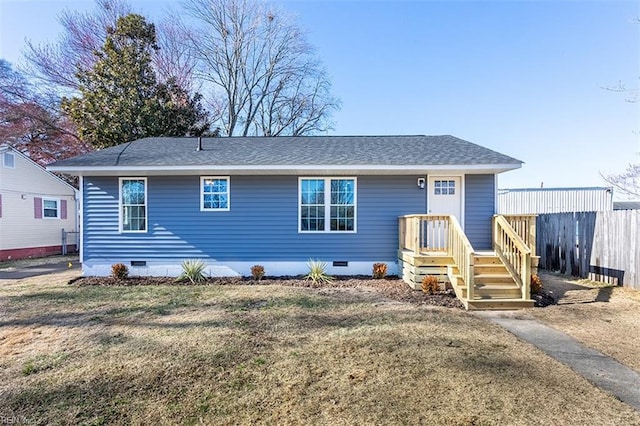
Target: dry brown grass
611, 324
271, 355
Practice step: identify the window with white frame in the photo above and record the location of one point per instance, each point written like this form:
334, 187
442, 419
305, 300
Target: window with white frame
133, 204
214, 193
9, 160
50, 208
327, 205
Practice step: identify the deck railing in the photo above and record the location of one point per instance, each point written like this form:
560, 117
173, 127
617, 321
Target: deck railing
424, 233
429, 234
525, 227
513, 251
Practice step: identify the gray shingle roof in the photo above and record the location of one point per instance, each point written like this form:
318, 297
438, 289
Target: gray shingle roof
284, 151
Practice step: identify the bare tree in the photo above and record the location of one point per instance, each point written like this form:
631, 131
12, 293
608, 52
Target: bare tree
628, 182
84, 33
632, 93
264, 75
175, 60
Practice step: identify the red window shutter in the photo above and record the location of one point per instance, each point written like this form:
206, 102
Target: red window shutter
37, 207
63, 209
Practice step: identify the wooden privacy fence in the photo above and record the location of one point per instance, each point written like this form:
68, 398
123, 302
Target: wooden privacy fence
603, 246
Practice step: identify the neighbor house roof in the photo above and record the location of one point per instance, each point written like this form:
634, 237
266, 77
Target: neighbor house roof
263, 155
626, 205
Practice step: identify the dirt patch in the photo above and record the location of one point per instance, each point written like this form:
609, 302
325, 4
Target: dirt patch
600, 316
391, 287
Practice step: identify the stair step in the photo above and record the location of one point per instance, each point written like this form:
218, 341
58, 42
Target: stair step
493, 279
497, 286
486, 260
490, 269
499, 304
492, 294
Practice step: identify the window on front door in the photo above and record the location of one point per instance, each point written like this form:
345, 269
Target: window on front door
444, 187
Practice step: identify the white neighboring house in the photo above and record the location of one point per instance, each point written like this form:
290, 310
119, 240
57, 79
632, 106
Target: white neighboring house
35, 205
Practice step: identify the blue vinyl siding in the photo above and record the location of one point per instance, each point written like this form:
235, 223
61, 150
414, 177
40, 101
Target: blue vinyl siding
479, 208
262, 222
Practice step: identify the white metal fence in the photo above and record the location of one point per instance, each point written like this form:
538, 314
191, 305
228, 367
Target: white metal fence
554, 200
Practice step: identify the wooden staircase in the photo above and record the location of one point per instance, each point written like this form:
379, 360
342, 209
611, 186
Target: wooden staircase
493, 286
490, 280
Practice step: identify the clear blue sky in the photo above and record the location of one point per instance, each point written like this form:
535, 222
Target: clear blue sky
523, 78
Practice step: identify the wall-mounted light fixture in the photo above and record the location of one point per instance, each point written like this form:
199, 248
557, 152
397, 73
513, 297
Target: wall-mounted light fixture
23, 196
420, 183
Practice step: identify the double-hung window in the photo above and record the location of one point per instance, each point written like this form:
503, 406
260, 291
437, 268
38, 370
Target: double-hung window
9, 160
50, 208
133, 204
214, 193
327, 205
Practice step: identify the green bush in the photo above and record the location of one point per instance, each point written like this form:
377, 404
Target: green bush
192, 270
318, 272
119, 271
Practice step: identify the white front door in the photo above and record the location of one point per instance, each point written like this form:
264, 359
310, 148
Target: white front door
445, 196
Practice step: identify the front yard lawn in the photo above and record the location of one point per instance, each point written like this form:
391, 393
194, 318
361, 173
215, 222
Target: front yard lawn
274, 355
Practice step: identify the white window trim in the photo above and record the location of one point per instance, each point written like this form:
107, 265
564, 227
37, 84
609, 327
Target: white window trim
146, 205
4, 164
58, 206
226, 209
327, 206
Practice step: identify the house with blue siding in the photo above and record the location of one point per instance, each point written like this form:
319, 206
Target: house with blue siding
239, 201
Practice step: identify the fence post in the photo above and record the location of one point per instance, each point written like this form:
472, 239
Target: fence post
532, 234
64, 242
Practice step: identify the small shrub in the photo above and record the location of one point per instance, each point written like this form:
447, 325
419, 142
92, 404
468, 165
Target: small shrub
318, 272
192, 270
379, 270
536, 284
257, 272
119, 271
430, 284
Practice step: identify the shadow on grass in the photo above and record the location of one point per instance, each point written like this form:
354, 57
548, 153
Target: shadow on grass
237, 367
304, 310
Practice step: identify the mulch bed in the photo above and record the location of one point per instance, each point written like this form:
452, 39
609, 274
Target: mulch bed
542, 299
391, 287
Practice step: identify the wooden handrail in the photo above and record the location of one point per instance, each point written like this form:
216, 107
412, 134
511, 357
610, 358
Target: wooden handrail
525, 227
461, 250
428, 233
514, 253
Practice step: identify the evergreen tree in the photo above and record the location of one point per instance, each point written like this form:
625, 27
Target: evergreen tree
121, 99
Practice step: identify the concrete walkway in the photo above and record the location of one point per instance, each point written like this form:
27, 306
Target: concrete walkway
20, 272
601, 370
